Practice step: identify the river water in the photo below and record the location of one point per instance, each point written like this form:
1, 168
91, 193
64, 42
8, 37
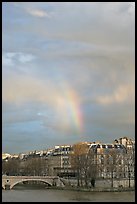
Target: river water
52, 195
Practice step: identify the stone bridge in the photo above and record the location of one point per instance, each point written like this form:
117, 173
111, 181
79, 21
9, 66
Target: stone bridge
11, 181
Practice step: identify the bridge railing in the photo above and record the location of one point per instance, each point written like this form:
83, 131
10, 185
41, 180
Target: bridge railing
52, 177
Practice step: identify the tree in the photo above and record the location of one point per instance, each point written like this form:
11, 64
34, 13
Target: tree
11, 166
112, 160
130, 166
32, 166
84, 163
79, 161
92, 167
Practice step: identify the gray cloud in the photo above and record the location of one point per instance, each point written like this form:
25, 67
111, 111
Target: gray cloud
63, 59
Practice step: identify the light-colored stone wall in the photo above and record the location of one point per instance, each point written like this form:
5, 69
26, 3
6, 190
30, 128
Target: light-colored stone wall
106, 183
116, 183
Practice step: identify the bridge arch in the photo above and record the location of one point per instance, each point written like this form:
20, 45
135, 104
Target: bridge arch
19, 181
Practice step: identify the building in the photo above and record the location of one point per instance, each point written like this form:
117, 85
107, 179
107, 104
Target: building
60, 161
109, 159
127, 142
116, 160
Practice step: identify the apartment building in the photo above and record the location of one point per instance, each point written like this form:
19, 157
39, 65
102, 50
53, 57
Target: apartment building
109, 159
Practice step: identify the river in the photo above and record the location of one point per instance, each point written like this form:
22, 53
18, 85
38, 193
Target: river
52, 195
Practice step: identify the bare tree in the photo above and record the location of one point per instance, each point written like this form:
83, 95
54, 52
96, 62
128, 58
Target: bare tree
92, 167
111, 160
35, 166
79, 162
130, 166
11, 166
84, 162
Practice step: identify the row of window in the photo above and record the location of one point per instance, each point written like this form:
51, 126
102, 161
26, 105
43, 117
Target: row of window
107, 146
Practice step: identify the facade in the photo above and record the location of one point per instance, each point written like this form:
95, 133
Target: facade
5, 156
107, 161
129, 165
127, 142
60, 161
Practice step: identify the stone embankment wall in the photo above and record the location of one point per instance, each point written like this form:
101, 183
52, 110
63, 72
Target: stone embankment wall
106, 183
116, 183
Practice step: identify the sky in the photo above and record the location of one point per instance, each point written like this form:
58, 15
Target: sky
68, 73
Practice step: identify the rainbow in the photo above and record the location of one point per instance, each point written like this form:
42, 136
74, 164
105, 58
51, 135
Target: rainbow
72, 109
75, 111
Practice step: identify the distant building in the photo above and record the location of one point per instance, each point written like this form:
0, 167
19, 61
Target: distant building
59, 161
127, 142
5, 156
109, 159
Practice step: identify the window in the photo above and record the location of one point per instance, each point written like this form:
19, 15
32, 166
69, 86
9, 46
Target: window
102, 160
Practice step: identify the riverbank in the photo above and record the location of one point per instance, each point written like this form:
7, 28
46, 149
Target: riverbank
93, 189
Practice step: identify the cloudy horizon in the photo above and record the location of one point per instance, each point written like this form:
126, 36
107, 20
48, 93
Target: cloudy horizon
68, 73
